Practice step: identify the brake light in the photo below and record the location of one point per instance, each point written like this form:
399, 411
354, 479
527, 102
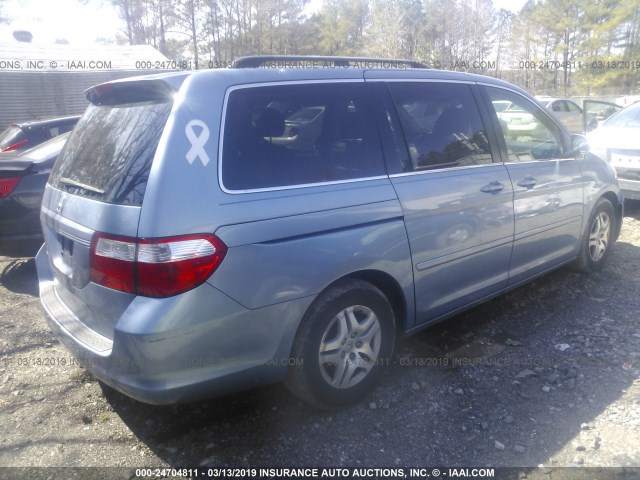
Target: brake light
15, 146
159, 267
7, 185
293, 132
113, 262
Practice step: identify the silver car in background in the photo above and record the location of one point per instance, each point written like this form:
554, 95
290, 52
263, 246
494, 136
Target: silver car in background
192, 250
570, 114
617, 141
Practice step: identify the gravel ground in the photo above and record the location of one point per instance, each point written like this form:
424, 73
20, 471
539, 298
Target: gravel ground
547, 375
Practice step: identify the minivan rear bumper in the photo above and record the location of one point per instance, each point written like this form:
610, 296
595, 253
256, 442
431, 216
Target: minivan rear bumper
172, 350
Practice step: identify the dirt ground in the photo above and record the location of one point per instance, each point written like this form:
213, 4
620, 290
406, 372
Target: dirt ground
546, 376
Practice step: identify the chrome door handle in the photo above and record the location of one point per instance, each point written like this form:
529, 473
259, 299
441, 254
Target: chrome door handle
528, 182
493, 187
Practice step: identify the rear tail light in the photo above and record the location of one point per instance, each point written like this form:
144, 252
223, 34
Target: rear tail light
7, 185
15, 146
293, 132
159, 267
113, 262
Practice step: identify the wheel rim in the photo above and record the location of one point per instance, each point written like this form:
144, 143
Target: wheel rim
350, 346
599, 236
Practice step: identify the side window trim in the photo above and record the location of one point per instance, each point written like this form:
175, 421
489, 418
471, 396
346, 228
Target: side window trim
494, 124
487, 120
378, 93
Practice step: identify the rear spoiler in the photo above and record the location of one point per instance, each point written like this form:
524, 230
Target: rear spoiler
133, 91
14, 168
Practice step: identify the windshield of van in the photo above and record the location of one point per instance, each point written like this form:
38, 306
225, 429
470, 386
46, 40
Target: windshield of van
109, 154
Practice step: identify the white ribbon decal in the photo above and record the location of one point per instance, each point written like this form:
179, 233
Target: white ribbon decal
197, 142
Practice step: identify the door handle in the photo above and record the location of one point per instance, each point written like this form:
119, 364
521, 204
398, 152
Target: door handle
528, 182
493, 187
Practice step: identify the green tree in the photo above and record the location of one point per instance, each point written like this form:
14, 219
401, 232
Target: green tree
186, 15
342, 27
394, 28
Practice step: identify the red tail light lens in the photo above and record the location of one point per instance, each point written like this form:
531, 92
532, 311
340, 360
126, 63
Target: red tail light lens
154, 267
170, 266
113, 262
7, 185
293, 132
15, 146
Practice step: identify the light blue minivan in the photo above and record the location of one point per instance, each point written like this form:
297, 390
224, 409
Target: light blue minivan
289, 218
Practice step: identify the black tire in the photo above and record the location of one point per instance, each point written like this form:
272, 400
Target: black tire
598, 238
332, 383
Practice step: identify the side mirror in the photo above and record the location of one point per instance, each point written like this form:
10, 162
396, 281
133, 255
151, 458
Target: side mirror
579, 143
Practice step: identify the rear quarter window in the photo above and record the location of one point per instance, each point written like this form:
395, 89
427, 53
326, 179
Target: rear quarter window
109, 154
288, 135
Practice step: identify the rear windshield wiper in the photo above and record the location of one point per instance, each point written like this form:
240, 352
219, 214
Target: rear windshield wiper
73, 183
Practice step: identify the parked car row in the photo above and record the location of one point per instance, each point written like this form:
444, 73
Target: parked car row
23, 176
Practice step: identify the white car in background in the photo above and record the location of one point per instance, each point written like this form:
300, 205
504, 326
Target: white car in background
617, 141
515, 121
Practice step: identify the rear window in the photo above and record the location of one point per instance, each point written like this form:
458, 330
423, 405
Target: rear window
287, 135
109, 154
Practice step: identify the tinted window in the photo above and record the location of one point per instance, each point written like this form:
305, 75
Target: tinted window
528, 132
441, 124
109, 154
287, 135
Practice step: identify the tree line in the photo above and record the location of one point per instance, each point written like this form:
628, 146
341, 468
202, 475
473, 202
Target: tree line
554, 47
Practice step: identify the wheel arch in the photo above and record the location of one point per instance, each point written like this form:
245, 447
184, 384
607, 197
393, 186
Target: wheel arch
618, 208
303, 379
392, 290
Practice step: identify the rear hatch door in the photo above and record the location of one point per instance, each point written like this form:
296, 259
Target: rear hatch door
97, 185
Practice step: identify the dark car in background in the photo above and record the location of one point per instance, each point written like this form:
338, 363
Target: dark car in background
22, 136
23, 177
